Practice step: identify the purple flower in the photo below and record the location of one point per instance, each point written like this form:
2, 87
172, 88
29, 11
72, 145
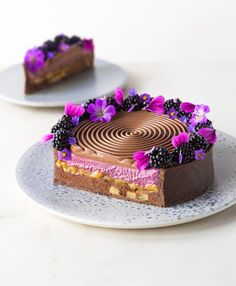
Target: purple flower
180, 139
183, 119
50, 55
142, 160
191, 128
64, 154
145, 97
209, 134
100, 111
132, 92
172, 113
157, 105
199, 154
63, 47
119, 95
71, 140
75, 120
187, 107
199, 114
34, 60
47, 137
88, 44
73, 110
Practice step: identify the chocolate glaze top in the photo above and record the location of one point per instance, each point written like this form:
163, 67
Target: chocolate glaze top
126, 133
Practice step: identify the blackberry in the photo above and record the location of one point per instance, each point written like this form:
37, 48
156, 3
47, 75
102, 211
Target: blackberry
203, 125
64, 123
198, 142
132, 101
50, 46
61, 38
60, 140
172, 103
159, 157
92, 100
181, 113
74, 40
187, 152
111, 101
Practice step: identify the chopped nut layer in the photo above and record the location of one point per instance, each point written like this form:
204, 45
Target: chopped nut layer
134, 191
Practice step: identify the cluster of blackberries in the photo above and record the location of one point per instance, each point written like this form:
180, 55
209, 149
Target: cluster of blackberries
61, 139
207, 124
175, 104
172, 103
159, 157
64, 123
62, 131
184, 153
52, 45
198, 142
133, 103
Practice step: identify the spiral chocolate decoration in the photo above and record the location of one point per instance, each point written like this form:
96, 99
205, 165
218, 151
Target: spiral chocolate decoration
127, 133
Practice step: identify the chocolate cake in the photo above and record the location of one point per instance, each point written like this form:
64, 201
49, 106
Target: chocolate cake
56, 60
143, 149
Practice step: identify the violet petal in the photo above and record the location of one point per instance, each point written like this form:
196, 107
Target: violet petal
119, 95
180, 139
110, 109
187, 107
209, 134
157, 105
47, 137
142, 160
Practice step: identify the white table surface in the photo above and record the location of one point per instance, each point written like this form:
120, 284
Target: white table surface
39, 249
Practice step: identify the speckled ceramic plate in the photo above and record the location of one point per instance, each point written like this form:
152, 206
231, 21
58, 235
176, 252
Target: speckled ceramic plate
35, 176
97, 82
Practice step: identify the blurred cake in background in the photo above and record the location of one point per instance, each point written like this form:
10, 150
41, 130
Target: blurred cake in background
56, 60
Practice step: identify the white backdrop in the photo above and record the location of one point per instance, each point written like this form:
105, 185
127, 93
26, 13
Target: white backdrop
125, 30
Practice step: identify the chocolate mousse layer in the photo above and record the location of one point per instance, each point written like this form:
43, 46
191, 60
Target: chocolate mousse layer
102, 161
63, 65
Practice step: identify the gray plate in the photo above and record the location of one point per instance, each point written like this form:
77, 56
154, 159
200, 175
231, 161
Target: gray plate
100, 81
35, 176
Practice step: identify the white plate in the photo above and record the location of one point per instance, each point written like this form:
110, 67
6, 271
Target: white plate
96, 82
35, 176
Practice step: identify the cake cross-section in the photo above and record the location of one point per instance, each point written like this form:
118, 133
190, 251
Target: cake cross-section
137, 148
56, 60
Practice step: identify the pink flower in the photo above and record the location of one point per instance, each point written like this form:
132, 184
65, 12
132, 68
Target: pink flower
187, 107
157, 105
180, 139
73, 110
209, 134
47, 137
142, 160
119, 95
88, 44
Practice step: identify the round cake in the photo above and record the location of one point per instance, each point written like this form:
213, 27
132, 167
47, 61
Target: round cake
139, 148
